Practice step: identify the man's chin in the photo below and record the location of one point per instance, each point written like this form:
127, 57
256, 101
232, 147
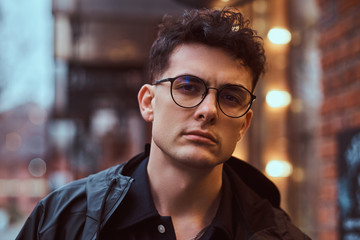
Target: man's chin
198, 158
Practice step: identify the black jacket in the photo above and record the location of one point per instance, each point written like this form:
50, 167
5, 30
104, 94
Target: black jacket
80, 209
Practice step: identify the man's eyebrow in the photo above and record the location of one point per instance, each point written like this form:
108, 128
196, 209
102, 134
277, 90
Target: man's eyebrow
190, 75
232, 84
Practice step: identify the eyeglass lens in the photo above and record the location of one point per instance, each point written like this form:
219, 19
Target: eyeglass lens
189, 91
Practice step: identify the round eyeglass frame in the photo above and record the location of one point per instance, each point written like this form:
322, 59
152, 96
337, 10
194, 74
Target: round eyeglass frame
218, 90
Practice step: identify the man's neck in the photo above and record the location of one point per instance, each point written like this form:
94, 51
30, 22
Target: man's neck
190, 196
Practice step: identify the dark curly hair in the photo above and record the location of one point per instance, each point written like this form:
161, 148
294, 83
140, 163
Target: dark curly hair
226, 29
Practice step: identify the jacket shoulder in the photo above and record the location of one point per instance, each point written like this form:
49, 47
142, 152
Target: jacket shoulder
284, 229
64, 210
77, 188
262, 203
73, 211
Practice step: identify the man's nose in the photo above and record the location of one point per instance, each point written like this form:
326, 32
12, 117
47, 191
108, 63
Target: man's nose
208, 109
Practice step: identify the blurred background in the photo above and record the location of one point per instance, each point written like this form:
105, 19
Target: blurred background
69, 75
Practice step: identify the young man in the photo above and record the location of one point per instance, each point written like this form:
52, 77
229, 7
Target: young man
204, 67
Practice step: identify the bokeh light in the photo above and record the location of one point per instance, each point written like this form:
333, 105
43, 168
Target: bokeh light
279, 36
13, 141
278, 168
37, 167
277, 99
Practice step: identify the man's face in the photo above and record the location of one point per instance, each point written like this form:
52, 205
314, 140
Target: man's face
201, 136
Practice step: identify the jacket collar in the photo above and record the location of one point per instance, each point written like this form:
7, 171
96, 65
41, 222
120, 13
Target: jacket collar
97, 186
252, 213
255, 180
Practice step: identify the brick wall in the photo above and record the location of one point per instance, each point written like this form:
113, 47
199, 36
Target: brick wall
339, 28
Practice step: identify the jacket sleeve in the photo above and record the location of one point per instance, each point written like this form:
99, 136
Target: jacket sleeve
32, 224
288, 229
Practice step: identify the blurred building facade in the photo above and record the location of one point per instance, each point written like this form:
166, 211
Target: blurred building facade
307, 111
338, 131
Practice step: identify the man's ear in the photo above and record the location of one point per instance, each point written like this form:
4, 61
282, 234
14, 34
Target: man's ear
246, 124
145, 97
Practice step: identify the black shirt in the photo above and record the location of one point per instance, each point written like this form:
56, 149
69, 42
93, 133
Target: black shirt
137, 217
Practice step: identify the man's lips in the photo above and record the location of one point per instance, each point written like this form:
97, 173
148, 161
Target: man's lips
201, 136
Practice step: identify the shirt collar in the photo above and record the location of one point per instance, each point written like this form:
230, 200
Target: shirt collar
225, 216
139, 204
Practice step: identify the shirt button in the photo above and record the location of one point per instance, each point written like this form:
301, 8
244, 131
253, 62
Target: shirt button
161, 228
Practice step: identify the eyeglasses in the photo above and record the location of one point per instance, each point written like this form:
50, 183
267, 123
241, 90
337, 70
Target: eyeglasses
189, 91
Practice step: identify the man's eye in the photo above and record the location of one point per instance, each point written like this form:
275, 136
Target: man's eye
234, 98
231, 99
187, 85
188, 88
